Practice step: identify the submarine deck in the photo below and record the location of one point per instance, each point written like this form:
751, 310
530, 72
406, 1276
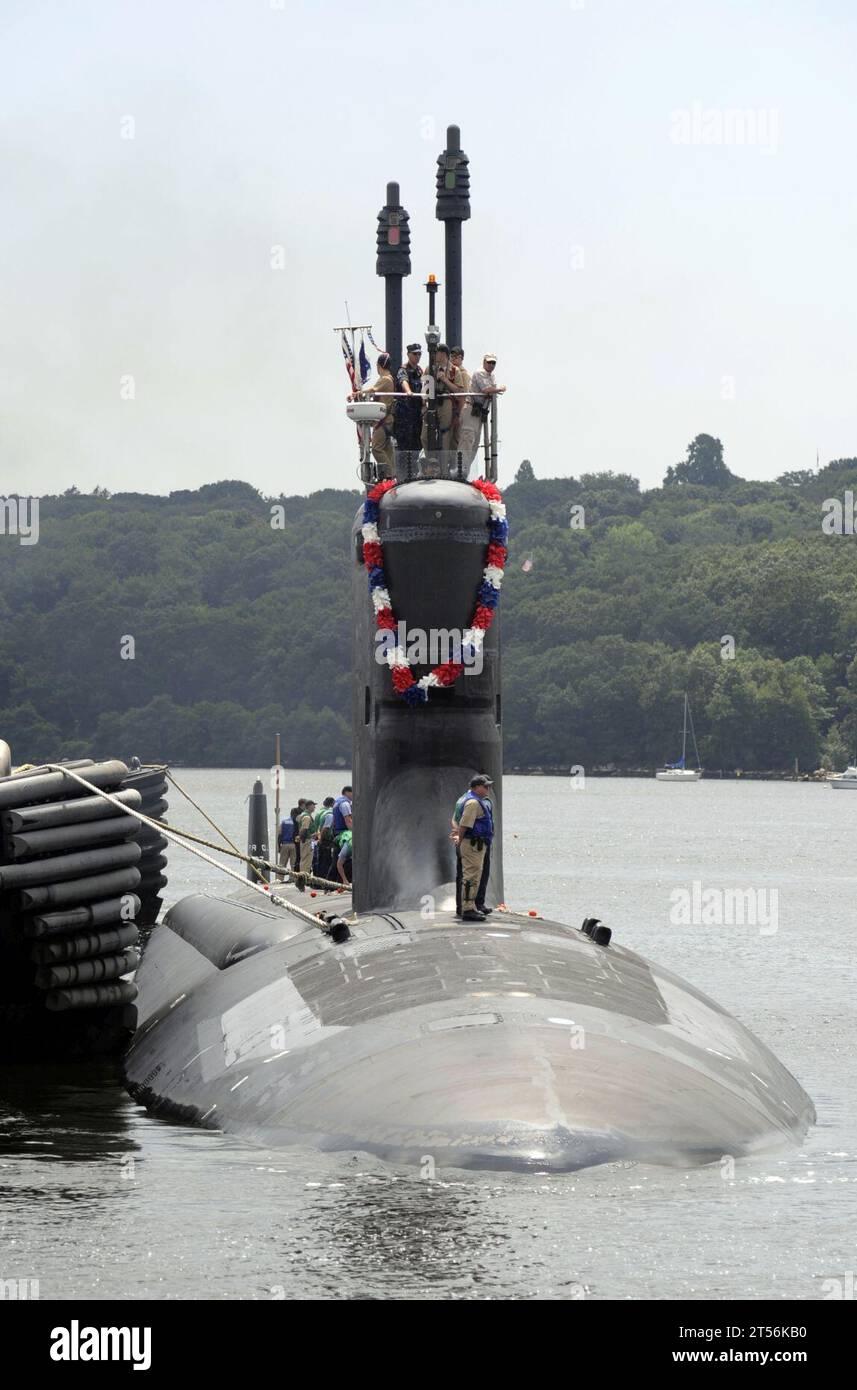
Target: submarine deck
517, 1043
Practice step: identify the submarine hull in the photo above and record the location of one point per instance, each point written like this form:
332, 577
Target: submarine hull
520, 1045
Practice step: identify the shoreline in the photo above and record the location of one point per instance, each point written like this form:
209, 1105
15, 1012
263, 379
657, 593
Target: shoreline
717, 775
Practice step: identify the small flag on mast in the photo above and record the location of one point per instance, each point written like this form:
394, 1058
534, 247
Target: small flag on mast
365, 369
349, 360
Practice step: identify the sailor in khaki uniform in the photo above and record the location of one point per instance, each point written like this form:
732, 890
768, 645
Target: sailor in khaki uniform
483, 387
305, 837
382, 436
460, 381
473, 836
443, 389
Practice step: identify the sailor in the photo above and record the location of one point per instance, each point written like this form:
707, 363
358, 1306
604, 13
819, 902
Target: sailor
481, 785
305, 836
382, 436
316, 821
299, 811
460, 379
484, 386
324, 837
287, 854
409, 411
474, 833
443, 398
344, 859
341, 815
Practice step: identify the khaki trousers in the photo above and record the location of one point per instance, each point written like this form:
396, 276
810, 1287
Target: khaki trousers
287, 856
306, 857
469, 436
472, 860
444, 425
382, 449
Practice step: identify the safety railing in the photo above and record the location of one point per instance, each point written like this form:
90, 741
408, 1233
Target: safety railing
411, 465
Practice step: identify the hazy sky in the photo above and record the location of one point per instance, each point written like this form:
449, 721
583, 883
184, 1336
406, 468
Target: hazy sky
641, 275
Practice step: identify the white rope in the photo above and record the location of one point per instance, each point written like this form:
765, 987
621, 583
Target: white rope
176, 837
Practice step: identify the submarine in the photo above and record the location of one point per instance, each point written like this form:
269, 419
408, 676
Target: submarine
379, 1022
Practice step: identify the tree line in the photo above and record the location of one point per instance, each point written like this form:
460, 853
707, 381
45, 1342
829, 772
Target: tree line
616, 600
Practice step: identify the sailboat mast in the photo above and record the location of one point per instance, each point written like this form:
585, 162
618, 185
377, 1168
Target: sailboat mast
693, 736
684, 731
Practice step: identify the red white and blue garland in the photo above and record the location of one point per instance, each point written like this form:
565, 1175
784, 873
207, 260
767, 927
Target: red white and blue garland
414, 691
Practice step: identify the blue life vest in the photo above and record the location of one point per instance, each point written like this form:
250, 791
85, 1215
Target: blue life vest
287, 831
338, 824
483, 826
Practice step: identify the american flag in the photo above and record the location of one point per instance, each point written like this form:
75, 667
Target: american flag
349, 361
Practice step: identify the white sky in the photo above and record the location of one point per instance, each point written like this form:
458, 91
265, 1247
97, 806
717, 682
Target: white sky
260, 123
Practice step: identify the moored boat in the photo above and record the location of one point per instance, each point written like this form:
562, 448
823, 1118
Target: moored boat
844, 781
678, 771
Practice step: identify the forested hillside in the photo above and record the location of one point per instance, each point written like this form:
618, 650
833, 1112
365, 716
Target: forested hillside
241, 629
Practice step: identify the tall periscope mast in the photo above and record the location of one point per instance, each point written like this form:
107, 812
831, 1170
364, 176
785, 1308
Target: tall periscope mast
393, 264
411, 762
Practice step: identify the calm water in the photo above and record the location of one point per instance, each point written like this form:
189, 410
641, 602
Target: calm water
99, 1201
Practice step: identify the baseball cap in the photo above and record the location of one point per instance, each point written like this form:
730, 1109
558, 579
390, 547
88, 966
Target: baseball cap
481, 781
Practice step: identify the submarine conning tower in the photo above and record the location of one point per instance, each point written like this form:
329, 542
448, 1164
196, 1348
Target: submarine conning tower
413, 760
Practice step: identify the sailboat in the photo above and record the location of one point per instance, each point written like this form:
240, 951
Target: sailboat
677, 772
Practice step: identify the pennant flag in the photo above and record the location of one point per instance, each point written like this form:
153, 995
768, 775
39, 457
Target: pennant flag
349, 361
365, 369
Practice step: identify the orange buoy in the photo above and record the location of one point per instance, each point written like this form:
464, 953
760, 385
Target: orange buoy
532, 912
313, 893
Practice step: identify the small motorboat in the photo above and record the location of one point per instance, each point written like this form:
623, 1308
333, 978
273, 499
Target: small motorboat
843, 781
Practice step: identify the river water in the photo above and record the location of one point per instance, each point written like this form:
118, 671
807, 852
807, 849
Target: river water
97, 1200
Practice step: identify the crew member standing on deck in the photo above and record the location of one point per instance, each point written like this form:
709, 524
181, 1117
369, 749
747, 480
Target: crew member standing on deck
480, 785
382, 436
286, 839
475, 832
344, 859
324, 833
409, 410
460, 380
476, 410
305, 837
443, 389
342, 819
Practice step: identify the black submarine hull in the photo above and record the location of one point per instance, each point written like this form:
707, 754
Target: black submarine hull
411, 765
516, 1045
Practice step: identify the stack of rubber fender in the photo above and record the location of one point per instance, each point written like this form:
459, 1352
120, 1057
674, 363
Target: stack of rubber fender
151, 785
78, 878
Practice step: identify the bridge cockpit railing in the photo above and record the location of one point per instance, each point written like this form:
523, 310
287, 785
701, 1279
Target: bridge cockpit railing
412, 465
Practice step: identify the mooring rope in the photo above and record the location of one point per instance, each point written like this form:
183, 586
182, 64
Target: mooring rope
186, 794
181, 837
254, 861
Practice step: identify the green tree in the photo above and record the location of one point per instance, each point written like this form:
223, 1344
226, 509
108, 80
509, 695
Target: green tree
703, 467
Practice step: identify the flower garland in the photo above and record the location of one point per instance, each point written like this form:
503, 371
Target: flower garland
415, 692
